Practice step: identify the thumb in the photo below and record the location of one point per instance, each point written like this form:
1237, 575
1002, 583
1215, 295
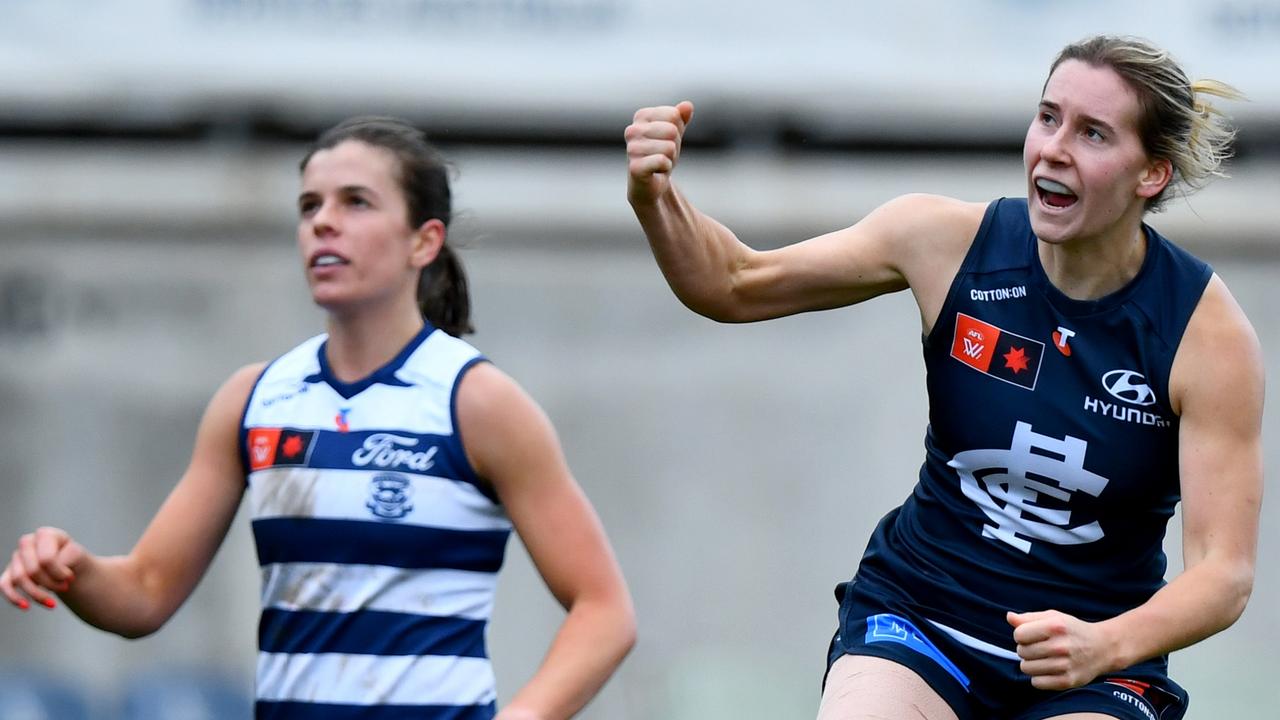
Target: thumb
685, 108
71, 554
1019, 619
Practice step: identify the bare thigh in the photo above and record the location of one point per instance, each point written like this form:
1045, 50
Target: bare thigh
860, 687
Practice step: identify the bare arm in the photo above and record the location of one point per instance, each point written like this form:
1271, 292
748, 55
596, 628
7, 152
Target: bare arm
1216, 386
915, 241
135, 594
512, 444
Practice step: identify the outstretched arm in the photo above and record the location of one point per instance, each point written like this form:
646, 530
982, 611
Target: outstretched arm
1216, 386
512, 444
135, 594
915, 241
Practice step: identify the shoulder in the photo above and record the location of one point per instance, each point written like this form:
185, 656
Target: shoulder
916, 212
234, 392
504, 432
1219, 358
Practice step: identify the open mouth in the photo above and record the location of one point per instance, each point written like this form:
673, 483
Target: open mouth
327, 260
1054, 194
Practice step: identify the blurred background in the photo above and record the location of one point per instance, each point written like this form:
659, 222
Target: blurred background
148, 170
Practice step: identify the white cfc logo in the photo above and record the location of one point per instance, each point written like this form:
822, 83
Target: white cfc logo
1006, 484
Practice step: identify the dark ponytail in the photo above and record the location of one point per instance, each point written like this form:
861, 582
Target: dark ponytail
443, 297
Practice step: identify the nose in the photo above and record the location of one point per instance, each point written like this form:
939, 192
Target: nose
323, 221
1055, 148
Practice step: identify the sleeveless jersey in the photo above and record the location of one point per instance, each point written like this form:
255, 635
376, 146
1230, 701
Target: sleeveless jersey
379, 547
1051, 456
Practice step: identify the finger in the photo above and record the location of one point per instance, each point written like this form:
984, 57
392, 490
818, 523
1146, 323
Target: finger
685, 108
71, 556
47, 546
652, 129
1039, 650
26, 553
1052, 682
665, 113
24, 583
1039, 627
641, 148
10, 594
1045, 666
650, 165
1016, 619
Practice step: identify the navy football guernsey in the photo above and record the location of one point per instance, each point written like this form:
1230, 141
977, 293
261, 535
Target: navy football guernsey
1051, 464
379, 547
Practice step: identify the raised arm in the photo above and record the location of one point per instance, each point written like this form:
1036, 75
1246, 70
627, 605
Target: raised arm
135, 594
512, 444
915, 241
1216, 386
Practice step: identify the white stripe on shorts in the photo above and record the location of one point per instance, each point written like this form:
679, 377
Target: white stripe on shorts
975, 643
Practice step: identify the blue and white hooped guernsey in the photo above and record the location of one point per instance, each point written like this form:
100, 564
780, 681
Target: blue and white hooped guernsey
379, 546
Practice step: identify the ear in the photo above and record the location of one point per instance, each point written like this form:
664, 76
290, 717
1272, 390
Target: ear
1154, 178
427, 241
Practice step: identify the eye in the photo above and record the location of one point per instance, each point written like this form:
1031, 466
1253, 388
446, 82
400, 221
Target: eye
307, 207
1047, 118
1094, 134
358, 201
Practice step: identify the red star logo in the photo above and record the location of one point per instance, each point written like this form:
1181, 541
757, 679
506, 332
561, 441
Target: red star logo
1015, 359
292, 446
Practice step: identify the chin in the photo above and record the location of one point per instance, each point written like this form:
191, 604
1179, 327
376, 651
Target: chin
1050, 232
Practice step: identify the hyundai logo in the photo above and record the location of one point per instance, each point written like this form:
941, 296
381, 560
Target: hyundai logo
1129, 386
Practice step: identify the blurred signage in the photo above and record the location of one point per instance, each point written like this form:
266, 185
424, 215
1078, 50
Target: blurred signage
896, 65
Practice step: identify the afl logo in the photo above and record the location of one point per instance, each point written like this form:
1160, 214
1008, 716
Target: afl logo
389, 496
1129, 386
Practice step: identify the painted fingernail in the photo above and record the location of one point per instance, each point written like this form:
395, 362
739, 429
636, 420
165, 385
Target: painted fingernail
24, 605
49, 603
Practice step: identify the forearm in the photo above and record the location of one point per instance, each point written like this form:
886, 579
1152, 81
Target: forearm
112, 594
698, 256
1202, 601
592, 641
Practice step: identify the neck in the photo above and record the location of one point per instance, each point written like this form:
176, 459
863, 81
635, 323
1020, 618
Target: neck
358, 345
1091, 268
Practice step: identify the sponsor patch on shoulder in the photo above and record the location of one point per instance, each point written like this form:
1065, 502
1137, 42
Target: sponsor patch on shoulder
274, 447
996, 352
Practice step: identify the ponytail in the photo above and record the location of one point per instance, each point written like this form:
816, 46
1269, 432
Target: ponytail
443, 296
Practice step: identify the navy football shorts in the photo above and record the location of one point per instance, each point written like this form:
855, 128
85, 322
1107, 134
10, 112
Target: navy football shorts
982, 686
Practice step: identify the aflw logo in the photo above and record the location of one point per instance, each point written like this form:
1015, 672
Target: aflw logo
974, 348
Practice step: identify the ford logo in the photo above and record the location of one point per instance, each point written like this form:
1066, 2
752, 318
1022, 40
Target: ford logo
1129, 386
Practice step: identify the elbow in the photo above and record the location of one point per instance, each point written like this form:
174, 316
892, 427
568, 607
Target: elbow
1241, 588
144, 624
137, 633
627, 633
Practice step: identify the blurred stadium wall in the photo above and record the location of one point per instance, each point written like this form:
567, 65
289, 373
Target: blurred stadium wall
148, 155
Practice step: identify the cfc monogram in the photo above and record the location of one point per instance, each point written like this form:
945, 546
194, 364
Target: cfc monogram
1005, 484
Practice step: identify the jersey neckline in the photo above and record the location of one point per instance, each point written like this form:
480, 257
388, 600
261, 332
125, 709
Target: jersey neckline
385, 375
1079, 308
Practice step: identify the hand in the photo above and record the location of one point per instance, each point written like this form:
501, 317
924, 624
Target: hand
1059, 651
46, 560
653, 148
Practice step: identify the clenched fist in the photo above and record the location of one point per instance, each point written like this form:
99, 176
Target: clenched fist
653, 148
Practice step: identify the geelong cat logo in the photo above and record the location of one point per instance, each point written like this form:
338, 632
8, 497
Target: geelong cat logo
1129, 386
389, 496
